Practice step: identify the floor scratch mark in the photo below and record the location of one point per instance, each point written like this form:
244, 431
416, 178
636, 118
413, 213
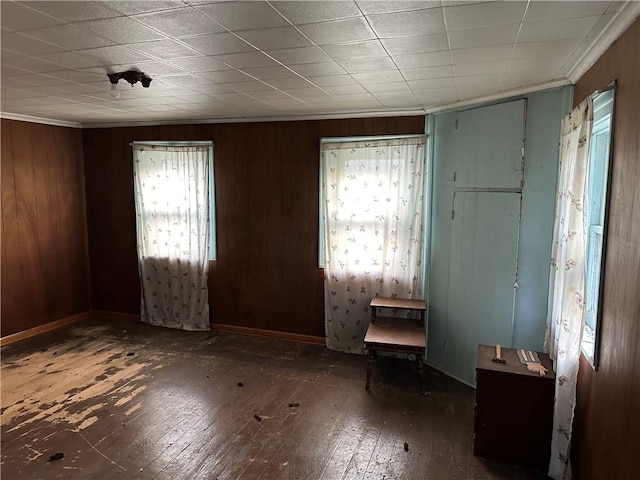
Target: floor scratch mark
98, 451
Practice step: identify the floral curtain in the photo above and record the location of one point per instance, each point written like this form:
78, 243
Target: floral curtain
372, 202
172, 224
566, 313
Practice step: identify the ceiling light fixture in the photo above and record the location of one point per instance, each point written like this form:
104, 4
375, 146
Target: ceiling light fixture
131, 76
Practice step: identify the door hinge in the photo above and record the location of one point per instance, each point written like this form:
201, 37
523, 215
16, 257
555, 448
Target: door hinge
454, 176
453, 214
456, 126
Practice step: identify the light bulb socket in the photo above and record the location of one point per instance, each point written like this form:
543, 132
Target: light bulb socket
115, 93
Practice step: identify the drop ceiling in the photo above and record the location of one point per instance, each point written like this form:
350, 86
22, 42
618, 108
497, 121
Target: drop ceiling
235, 60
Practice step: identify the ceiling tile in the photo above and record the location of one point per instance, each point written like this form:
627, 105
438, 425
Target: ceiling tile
319, 69
164, 49
244, 15
344, 89
379, 77
482, 37
212, 88
526, 66
419, 85
227, 76
557, 10
557, 29
299, 12
199, 64
491, 14
306, 92
72, 60
17, 17
270, 73
116, 55
49, 79
427, 72
480, 68
180, 22
73, 11
70, 36
22, 44
8, 71
329, 80
398, 100
551, 48
432, 59
247, 60
288, 83
121, 30
186, 80
419, 44
372, 65
273, 38
349, 98
77, 88
339, 31
270, 95
388, 87
159, 68
77, 76
31, 64
296, 56
408, 24
481, 81
133, 7
356, 51
371, 7
218, 44
436, 93
481, 54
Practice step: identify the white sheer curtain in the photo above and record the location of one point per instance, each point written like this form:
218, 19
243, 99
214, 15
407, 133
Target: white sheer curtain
566, 313
172, 212
372, 198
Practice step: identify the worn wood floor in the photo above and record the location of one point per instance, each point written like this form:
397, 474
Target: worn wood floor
124, 400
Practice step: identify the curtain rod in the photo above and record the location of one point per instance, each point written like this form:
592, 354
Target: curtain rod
370, 137
170, 142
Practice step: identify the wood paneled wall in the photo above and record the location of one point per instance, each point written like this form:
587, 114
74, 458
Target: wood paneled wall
606, 438
45, 269
266, 275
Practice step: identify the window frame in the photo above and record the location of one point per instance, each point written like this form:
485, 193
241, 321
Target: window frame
369, 138
213, 253
603, 121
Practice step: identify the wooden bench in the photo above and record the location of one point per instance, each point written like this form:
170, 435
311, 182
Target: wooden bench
399, 335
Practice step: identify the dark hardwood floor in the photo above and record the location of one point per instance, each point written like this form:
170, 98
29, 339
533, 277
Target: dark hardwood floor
125, 400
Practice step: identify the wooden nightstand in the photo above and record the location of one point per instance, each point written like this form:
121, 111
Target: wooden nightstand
514, 409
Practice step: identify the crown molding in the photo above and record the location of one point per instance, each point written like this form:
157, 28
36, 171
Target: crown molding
500, 96
294, 118
46, 121
620, 21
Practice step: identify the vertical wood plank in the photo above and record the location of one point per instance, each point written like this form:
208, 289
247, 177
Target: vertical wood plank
605, 442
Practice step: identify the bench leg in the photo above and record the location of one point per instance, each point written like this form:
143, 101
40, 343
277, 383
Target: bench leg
372, 356
420, 372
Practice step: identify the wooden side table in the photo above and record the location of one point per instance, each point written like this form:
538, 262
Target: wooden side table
388, 334
514, 409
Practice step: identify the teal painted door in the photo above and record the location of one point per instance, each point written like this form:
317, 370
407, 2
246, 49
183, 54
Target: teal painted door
478, 172
482, 266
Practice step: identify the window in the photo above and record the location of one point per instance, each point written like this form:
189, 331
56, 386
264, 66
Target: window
595, 215
162, 188
371, 232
